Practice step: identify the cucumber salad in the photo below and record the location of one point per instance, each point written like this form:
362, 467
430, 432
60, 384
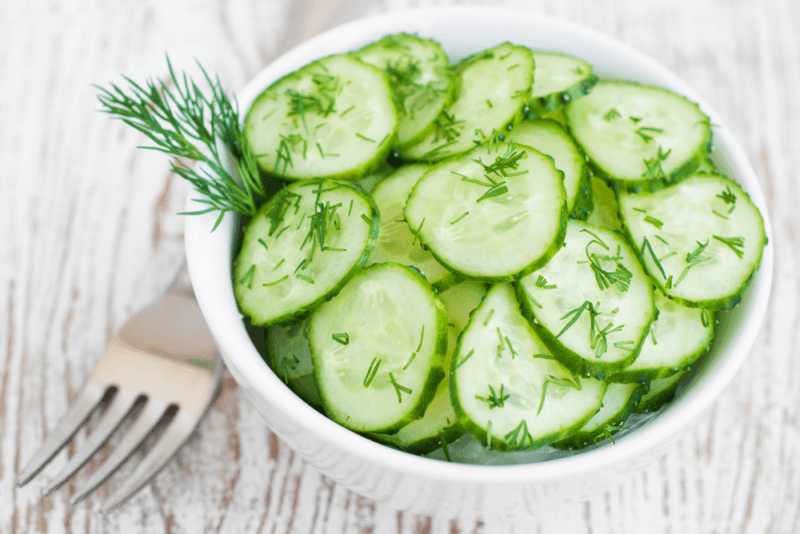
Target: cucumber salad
504, 252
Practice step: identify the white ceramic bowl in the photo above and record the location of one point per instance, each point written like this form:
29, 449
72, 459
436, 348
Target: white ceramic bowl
422, 485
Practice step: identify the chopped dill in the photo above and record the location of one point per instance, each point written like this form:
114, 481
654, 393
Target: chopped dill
343, 338
494, 400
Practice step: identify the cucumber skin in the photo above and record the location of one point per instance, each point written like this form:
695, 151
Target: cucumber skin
644, 376
572, 361
724, 303
477, 431
656, 402
581, 440
538, 106
374, 165
435, 376
423, 446
372, 239
584, 205
685, 170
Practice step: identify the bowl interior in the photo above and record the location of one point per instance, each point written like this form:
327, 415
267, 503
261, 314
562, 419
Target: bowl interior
463, 32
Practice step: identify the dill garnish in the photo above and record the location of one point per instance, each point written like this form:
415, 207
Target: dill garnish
371, 372
565, 382
736, 244
494, 400
188, 125
398, 388
343, 338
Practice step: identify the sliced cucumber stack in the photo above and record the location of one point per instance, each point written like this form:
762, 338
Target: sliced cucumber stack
558, 80
378, 349
419, 73
301, 247
493, 87
505, 213
701, 242
334, 118
638, 137
591, 304
548, 137
507, 389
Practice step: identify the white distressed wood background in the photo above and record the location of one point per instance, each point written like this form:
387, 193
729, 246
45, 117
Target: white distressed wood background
89, 234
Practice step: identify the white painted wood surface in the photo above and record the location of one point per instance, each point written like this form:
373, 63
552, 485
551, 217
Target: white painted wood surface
89, 234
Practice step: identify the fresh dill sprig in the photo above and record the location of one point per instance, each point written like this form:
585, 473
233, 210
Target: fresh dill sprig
188, 125
520, 437
692, 259
541, 283
343, 338
371, 372
621, 277
611, 114
736, 244
575, 383
494, 400
653, 168
398, 388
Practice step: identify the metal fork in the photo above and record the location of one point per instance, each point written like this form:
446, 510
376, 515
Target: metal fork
165, 357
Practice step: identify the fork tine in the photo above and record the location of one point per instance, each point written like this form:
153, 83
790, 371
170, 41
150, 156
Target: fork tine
148, 418
83, 405
179, 429
120, 406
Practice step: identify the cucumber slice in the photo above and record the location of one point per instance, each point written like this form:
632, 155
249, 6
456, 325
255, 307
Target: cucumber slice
493, 87
548, 137
378, 348
677, 338
289, 356
638, 137
507, 389
605, 211
395, 240
661, 391
504, 214
592, 304
440, 424
419, 73
618, 403
558, 79
287, 265
705, 232
334, 118
288, 352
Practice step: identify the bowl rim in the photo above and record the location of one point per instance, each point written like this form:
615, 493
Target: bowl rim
239, 352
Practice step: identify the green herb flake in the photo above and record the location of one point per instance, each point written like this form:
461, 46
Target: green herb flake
467, 357
249, 274
520, 437
565, 382
488, 317
459, 217
343, 338
398, 388
371, 372
494, 400
736, 244
611, 114
655, 222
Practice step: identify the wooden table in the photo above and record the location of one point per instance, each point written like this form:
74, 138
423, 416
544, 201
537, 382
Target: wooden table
89, 234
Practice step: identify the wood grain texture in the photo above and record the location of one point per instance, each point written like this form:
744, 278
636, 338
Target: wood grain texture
90, 234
